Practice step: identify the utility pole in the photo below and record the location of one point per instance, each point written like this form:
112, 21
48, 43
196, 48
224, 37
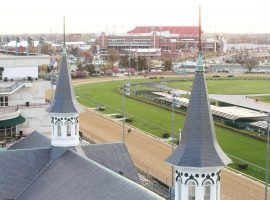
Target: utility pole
267, 159
174, 104
123, 115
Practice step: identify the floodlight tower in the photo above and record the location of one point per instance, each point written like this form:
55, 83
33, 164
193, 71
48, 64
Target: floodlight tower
267, 159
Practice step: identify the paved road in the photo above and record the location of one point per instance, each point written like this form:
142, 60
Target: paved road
149, 153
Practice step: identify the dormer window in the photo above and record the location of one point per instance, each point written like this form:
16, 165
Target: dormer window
68, 129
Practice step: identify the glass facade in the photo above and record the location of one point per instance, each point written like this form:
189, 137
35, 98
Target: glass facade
8, 133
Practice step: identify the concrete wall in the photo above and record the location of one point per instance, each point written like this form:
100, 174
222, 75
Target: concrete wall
36, 118
20, 72
22, 66
33, 94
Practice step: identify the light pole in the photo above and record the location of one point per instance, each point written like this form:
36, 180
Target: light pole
17, 41
29, 41
267, 159
126, 91
129, 64
175, 103
137, 73
123, 115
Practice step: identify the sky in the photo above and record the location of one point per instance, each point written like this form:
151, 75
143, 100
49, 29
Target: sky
84, 16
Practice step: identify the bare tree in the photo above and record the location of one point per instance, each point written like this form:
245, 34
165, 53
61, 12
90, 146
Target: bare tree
249, 62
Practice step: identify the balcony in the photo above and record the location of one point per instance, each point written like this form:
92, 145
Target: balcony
9, 88
9, 112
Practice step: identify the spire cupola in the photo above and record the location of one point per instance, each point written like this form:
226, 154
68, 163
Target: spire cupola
198, 159
64, 108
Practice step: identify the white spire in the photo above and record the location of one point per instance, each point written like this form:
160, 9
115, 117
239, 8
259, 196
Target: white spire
64, 107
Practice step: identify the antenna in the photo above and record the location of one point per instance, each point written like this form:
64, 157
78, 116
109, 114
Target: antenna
64, 36
200, 30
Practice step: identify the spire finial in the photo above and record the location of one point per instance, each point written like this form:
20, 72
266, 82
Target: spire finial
199, 67
64, 31
64, 36
200, 30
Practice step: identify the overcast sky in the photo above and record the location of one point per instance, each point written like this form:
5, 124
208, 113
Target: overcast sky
82, 16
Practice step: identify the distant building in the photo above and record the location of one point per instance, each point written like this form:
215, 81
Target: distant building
22, 108
167, 38
19, 67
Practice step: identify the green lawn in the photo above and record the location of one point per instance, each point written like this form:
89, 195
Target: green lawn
230, 86
159, 121
262, 98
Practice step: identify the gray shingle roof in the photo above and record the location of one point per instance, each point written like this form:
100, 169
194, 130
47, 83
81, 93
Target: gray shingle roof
114, 156
74, 177
33, 140
64, 100
198, 146
18, 167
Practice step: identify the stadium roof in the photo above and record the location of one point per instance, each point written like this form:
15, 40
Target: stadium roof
180, 30
230, 112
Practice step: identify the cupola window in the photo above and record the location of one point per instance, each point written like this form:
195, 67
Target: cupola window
191, 190
58, 129
68, 129
207, 190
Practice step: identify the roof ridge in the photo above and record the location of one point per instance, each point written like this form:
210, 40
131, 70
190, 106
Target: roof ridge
30, 149
112, 172
33, 179
25, 139
100, 144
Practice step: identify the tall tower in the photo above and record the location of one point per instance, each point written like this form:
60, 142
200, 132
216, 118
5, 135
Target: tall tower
198, 159
64, 108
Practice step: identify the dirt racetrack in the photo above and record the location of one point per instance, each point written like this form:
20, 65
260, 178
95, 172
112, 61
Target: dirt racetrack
148, 153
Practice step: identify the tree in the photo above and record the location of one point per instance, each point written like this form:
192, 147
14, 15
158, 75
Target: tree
74, 51
142, 62
167, 63
124, 61
249, 62
133, 63
88, 57
46, 49
90, 68
113, 55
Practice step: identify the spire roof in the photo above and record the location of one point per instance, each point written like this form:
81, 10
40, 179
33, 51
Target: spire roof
64, 99
198, 147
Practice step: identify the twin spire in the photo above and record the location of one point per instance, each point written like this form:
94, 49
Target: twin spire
198, 147
64, 99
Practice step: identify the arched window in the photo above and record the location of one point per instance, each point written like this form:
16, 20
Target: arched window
207, 190
76, 129
191, 190
68, 129
58, 129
